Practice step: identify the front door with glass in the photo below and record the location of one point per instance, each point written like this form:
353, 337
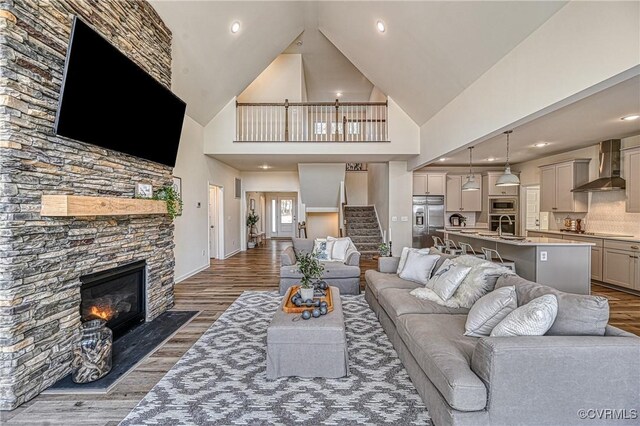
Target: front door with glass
283, 216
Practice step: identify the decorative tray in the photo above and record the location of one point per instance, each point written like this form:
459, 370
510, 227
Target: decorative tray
290, 308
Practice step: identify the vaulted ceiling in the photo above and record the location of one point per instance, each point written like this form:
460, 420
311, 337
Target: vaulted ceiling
430, 52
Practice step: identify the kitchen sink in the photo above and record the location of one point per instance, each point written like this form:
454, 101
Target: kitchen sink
513, 238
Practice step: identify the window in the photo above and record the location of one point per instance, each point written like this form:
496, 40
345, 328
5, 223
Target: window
274, 214
286, 211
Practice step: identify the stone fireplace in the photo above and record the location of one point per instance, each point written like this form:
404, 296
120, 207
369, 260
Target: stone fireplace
117, 296
45, 262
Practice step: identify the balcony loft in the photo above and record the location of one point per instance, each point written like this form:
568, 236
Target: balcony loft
312, 122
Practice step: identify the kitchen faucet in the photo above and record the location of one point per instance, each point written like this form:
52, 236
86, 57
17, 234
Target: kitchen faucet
500, 224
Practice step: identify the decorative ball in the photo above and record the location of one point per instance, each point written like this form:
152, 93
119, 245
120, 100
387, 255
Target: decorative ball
294, 298
324, 304
308, 302
315, 313
306, 315
323, 310
317, 303
323, 285
298, 302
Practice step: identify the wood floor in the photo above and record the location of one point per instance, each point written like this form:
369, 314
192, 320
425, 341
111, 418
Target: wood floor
211, 292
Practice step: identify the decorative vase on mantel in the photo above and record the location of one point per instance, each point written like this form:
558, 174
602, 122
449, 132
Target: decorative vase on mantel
92, 358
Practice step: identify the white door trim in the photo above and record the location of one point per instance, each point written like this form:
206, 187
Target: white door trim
219, 203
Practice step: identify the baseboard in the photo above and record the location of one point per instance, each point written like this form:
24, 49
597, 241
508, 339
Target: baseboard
191, 273
233, 253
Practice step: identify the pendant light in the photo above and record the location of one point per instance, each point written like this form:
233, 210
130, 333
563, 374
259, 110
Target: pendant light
508, 178
471, 184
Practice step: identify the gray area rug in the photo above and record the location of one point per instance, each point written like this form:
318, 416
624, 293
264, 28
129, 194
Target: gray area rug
222, 379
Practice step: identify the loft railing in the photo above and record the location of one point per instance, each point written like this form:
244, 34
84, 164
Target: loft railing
312, 122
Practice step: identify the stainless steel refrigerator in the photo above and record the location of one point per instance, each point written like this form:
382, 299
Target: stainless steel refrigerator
428, 215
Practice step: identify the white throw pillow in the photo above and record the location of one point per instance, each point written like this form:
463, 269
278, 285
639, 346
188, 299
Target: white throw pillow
322, 248
405, 253
340, 247
533, 319
489, 310
447, 279
418, 267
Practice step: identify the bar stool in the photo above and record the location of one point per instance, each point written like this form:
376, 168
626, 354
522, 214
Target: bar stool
452, 248
438, 244
467, 249
489, 255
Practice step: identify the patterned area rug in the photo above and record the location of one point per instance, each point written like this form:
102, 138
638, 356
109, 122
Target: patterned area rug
222, 378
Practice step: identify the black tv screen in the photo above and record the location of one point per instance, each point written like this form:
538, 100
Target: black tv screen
109, 101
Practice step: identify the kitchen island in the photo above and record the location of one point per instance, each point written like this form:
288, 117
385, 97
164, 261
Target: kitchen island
560, 263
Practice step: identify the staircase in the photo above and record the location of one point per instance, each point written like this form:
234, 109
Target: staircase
362, 227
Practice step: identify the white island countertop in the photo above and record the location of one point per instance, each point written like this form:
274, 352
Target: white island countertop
529, 241
603, 236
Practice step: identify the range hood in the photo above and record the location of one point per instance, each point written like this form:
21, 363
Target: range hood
609, 170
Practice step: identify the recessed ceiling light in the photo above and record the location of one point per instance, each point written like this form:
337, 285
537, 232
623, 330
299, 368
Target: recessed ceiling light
442, 159
380, 26
235, 27
338, 94
540, 144
491, 159
630, 117
264, 167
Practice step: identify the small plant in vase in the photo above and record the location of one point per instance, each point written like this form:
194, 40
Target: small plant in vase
252, 219
384, 249
311, 269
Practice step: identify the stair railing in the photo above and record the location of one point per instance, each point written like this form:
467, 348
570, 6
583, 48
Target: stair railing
343, 203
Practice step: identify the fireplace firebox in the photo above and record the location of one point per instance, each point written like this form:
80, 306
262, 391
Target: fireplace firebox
117, 296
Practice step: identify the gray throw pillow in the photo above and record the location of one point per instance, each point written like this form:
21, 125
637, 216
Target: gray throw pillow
418, 267
533, 319
489, 311
447, 279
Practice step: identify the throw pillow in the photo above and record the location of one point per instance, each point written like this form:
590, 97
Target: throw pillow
533, 319
340, 247
418, 267
489, 310
443, 257
405, 253
447, 279
322, 248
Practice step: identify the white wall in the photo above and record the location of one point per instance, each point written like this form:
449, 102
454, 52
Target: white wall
320, 184
221, 129
378, 192
282, 79
582, 48
356, 186
322, 225
190, 235
400, 205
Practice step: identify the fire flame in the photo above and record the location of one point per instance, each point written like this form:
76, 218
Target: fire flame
102, 312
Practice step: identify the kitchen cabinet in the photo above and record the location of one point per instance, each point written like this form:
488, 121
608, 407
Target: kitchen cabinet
556, 183
492, 189
631, 173
459, 200
429, 183
596, 254
622, 264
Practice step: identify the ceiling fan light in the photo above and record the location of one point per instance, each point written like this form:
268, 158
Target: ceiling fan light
508, 178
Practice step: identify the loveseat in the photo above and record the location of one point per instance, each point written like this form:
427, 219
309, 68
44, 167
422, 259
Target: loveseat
541, 380
342, 274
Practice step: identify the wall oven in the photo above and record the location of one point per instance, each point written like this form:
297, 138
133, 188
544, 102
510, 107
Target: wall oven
503, 205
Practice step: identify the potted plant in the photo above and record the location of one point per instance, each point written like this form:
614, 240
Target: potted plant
252, 219
311, 269
383, 249
173, 200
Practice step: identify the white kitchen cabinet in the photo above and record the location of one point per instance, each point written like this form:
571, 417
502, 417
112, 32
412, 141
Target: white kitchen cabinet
459, 200
429, 183
493, 190
556, 183
631, 174
622, 264
596, 263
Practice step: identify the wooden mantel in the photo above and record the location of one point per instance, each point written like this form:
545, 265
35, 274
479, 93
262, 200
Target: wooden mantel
78, 205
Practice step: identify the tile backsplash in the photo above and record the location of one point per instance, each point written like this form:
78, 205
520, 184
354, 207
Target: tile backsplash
606, 215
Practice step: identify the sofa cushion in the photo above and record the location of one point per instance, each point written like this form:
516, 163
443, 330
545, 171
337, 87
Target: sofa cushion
418, 267
377, 281
447, 279
443, 352
489, 310
339, 248
302, 245
399, 301
578, 314
332, 270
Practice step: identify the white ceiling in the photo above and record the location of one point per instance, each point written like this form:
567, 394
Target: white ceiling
581, 124
326, 70
280, 162
430, 52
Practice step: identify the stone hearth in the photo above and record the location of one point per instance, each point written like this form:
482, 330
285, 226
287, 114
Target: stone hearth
43, 258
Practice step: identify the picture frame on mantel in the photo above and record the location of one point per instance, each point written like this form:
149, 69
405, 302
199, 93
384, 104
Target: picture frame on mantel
143, 190
177, 186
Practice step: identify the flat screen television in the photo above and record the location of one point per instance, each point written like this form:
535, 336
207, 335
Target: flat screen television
109, 101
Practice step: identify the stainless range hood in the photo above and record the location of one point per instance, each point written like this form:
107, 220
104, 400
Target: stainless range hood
609, 170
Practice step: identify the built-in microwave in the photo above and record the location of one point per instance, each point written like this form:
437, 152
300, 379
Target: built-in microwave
503, 205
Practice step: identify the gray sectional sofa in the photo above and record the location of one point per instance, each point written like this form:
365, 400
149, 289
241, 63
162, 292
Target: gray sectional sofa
542, 380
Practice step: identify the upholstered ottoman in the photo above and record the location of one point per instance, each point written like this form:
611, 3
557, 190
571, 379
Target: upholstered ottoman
308, 348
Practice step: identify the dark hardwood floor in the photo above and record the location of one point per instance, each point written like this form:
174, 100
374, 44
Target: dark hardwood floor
211, 292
